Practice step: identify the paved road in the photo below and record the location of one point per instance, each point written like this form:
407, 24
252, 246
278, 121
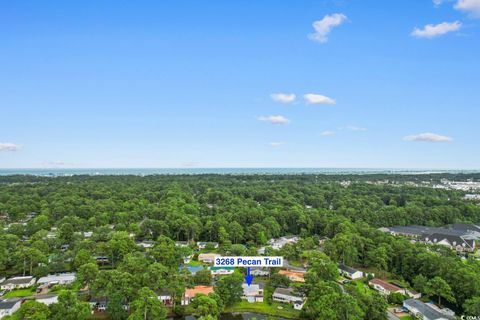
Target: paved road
391, 316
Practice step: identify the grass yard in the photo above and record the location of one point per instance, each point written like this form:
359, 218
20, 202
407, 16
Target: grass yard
406, 318
285, 311
20, 293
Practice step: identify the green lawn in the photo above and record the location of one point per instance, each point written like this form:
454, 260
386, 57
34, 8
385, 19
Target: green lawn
20, 293
274, 309
406, 318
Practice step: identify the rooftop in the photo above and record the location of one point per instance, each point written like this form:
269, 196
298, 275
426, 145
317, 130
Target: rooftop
388, 286
191, 292
424, 309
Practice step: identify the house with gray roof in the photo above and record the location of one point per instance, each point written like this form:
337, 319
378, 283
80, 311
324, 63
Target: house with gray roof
289, 295
17, 283
9, 306
349, 272
423, 311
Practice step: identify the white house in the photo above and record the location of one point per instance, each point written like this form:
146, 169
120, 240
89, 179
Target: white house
221, 271
61, 278
384, 287
349, 272
47, 299
281, 242
288, 295
202, 245
165, 297
208, 257
259, 272
8, 307
253, 293
18, 283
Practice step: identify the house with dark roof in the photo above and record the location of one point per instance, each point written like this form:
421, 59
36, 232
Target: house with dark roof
9, 306
18, 283
457, 243
423, 311
349, 272
289, 295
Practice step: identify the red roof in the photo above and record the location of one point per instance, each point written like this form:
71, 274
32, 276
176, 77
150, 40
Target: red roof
197, 290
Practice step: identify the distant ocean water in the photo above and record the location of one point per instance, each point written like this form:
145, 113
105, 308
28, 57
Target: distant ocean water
227, 171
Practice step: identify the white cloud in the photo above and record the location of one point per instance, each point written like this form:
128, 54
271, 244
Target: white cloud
274, 119
431, 31
324, 26
283, 97
429, 137
327, 133
437, 2
355, 128
470, 6
277, 144
7, 146
312, 98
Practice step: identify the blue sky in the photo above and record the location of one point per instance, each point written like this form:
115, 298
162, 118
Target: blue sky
190, 83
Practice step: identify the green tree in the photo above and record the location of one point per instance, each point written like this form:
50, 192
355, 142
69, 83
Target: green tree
32, 310
147, 306
440, 288
229, 288
205, 306
472, 306
115, 308
87, 273
203, 277
69, 308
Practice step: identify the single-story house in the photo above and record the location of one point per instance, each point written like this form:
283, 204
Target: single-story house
259, 271
423, 311
384, 287
349, 272
221, 271
281, 242
190, 293
61, 278
165, 297
288, 295
253, 293
99, 304
454, 242
193, 269
47, 299
413, 294
9, 306
208, 257
145, 244
295, 276
202, 245
18, 283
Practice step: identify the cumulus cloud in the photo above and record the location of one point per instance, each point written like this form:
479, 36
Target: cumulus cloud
429, 137
276, 144
324, 27
432, 31
311, 98
327, 133
283, 97
8, 146
278, 119
470, 6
